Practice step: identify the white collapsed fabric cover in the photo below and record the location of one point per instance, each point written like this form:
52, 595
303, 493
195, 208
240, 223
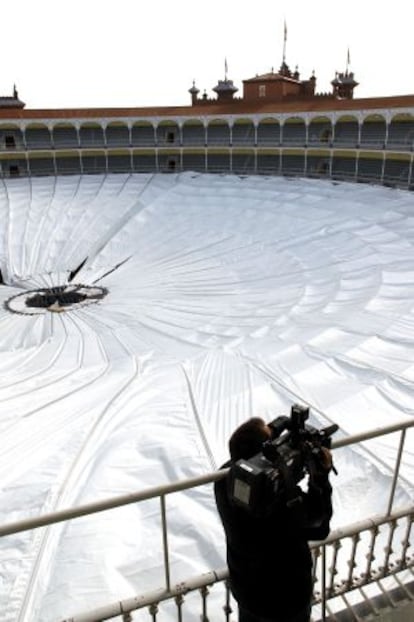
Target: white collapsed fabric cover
237, 297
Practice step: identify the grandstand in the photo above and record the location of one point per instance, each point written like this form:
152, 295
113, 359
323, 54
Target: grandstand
165, 274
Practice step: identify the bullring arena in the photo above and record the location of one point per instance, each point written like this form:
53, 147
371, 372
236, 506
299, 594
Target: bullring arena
168, 273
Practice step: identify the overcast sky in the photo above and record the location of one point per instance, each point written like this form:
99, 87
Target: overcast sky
123, 53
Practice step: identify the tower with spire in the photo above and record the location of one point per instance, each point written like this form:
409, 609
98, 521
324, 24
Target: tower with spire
344, 83
11, 101
272, 87
284, 84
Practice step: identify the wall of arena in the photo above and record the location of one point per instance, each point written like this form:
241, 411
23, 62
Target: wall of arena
375, 146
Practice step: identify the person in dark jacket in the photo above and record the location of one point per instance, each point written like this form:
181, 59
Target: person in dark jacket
268, 556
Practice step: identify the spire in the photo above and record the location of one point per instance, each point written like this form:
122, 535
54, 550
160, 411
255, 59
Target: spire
284, 43
225, 69
348, 62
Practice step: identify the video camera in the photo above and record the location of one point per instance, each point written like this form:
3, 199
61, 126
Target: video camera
271, 476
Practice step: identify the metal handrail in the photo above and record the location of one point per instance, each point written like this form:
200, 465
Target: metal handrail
215, 576
161, 491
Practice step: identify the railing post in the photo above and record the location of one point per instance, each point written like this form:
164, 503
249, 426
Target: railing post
323, 586
165, 543
396, 472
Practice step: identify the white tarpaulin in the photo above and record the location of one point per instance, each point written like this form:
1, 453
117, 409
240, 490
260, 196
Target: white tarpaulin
225, 298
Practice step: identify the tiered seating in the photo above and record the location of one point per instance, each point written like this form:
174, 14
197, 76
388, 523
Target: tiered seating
396, 170
38, 138
344, 167
118, 163
143, 136
369, 168
320, 133
373, 134
194, 162
11, 138
294, 133
268, 163
68, 165
294, 164
117, 135
317, 165
243, 134
401, 134
243, 163
65, 137
218, 162
93, 164
91, 136
346, 134
168, 134
268, 133
41, 166
193, 134
218, 134
142, 163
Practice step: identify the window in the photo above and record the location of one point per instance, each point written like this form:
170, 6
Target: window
262, 90
9, 141
170, 136
14, 170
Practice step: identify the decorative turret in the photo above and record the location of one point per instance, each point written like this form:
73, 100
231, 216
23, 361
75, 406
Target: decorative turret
194, 91
225, 89
344, 83
11, 101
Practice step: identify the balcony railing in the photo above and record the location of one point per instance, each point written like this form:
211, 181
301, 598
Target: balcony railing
370, 142
352, 557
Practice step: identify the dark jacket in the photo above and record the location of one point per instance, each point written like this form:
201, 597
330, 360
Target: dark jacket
268, 557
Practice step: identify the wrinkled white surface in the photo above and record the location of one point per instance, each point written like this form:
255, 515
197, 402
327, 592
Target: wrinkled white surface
239, 297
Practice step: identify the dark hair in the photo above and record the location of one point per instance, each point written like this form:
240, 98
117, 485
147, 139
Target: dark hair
247, 439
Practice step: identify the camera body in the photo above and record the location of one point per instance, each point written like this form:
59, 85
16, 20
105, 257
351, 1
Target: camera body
271, 476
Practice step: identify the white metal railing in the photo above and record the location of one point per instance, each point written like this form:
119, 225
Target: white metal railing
363, 565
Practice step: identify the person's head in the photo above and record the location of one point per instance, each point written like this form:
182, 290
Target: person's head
247, 439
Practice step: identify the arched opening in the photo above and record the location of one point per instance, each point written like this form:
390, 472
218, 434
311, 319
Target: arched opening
346, 131
370, 166
41, 164
193, 133
373, 131
94, 162
117, 134
292, 162
344, 164
11, 137
144, 161
268, 132
397, 169
168, 133
320, 131
91, 134
68, 163
194, 160
119, 161
218, 161
243, 162
243, 132
401, 131
218, 133
294, 131
268, 162
64, 135
38, 136
142, 134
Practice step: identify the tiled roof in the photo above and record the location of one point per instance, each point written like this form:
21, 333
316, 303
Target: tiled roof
317, 104
10, 102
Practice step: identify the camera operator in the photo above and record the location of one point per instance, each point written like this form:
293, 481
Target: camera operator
268, 556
